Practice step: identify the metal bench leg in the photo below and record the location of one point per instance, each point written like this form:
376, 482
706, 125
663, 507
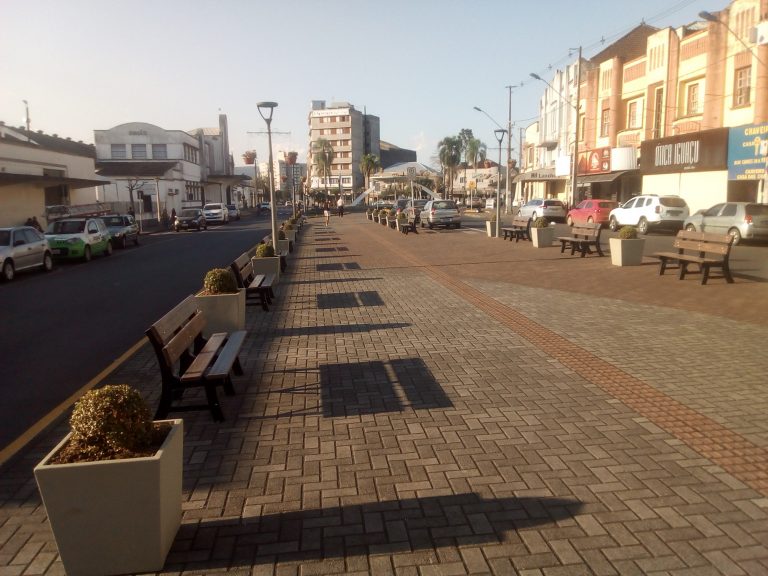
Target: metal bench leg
599, 249
727, 272
213, 401
683, 269
704, 273
662, 266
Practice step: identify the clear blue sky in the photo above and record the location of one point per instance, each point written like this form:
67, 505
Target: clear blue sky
420, 65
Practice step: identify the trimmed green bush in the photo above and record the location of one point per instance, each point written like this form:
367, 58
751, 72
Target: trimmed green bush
220, 281
628, 233
540, 222
265, 251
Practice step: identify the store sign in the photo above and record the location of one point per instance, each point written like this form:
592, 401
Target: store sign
694, 152
596, 161
747, 152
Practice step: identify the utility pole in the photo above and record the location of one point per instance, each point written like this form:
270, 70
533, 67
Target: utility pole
574, 178
508, 207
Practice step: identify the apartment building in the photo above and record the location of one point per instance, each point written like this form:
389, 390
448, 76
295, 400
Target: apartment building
351, 134
665, 111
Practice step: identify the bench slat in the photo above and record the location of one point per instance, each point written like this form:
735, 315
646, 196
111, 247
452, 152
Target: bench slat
164, 329
183, 339
204, 358
227, 355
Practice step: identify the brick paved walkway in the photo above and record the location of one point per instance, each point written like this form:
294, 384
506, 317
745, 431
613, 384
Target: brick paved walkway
444, 403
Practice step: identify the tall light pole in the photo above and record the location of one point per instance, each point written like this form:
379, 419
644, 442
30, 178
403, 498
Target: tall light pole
499, 133
510, 198
265, 111
575, 163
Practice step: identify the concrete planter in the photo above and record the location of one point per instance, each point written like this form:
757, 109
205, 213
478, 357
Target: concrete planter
627, 252
223, 312
115, 516
283, 245
490, 228
267, 265
542, 237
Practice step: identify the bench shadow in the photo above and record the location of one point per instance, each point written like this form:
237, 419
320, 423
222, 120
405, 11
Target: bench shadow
336, 329
388, 527
348, 299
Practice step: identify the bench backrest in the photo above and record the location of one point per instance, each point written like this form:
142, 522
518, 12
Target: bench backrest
242, 268
588, 230
521, 221
175, 332
703, 242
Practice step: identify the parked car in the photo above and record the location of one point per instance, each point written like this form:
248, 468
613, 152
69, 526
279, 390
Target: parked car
123, 229
216, 212
588, 211
441, 213
399, 205
79, 238
380, 204
23, 248
650, 211
190, 219
234, 212
265, 206
553, 210
413, 210
742, 220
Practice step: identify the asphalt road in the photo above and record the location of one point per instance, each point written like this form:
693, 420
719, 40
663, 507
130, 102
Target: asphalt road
59, 330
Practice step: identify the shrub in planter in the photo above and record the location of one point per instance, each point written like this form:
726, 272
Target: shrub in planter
265, 251
628, 233
219, 281
540, 222
542, 234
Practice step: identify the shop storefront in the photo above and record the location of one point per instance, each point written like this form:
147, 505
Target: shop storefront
608, 174
693, 166
747, 158
541, 183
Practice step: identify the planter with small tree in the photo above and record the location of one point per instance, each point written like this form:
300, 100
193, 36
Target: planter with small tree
222, 303
491, 224
112, 487
542, 234
627, 249
265, 262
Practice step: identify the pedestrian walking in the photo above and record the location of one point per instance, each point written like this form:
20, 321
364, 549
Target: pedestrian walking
327, 213
340, 206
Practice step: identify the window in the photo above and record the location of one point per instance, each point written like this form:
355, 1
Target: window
633, 118
692, 102
139, 151
741, 92
159, 151
657, 111
729, 210
118, 151
605, 120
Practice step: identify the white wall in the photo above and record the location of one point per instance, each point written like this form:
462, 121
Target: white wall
699, 189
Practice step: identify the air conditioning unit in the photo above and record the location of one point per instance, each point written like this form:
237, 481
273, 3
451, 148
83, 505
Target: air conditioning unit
759, 34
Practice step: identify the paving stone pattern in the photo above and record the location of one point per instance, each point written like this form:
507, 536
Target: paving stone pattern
409, 408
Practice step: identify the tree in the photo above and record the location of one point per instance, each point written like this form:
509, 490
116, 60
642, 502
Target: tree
474, 151
323, 156
368, 165
449, 151
134, 184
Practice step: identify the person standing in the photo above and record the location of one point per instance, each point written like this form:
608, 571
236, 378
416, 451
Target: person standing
340, 205
327, 213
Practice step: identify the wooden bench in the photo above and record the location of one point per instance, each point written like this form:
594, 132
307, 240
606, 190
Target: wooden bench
409, 226
188, 360
258, 287
519, 229
706, 250
582, 238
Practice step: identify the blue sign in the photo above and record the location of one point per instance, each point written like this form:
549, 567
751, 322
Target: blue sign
747, 152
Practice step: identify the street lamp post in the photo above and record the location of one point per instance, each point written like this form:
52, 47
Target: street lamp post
575, 163
265, 111
499, 133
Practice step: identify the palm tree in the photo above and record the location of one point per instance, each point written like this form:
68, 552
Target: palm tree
368, 165
323, 156
474, 152
449, 151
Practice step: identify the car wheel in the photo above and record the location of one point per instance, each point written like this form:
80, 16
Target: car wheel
613, 224
690, 228
108, 249
47, 262
87, 254
430, 226
735, 234
569, 221
8, 271
642, 226
458, 225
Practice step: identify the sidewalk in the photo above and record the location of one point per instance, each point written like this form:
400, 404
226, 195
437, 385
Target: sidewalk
446, 403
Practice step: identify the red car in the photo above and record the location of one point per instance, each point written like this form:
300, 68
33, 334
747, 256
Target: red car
591, 211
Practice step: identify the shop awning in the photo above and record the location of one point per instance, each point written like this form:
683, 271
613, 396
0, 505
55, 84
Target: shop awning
43, 181
607, 177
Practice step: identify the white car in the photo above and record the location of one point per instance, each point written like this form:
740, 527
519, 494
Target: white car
216, 212
650, 211
234, 212
548, 208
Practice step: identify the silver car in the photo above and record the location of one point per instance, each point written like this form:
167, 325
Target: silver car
23, 248
742, 220
441, 213
537, 207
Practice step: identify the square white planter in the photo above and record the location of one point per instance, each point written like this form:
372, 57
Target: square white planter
626, 252
542, 237
490, 228
267, 265
115, 516
223, 312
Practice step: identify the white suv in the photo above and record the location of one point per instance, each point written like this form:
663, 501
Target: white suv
216, 212
650, 211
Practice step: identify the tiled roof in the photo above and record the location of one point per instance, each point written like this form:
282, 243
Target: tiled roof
52, 142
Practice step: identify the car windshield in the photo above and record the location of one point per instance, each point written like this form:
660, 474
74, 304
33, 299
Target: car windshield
757, 209
67, 227
607, 204
189, 213
5, 237
553, 203
113, 220
444, 205
212, 207
672, 202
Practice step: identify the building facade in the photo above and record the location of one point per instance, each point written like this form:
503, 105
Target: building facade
637, 100
351, 134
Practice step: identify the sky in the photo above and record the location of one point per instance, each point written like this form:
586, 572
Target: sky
421, 66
